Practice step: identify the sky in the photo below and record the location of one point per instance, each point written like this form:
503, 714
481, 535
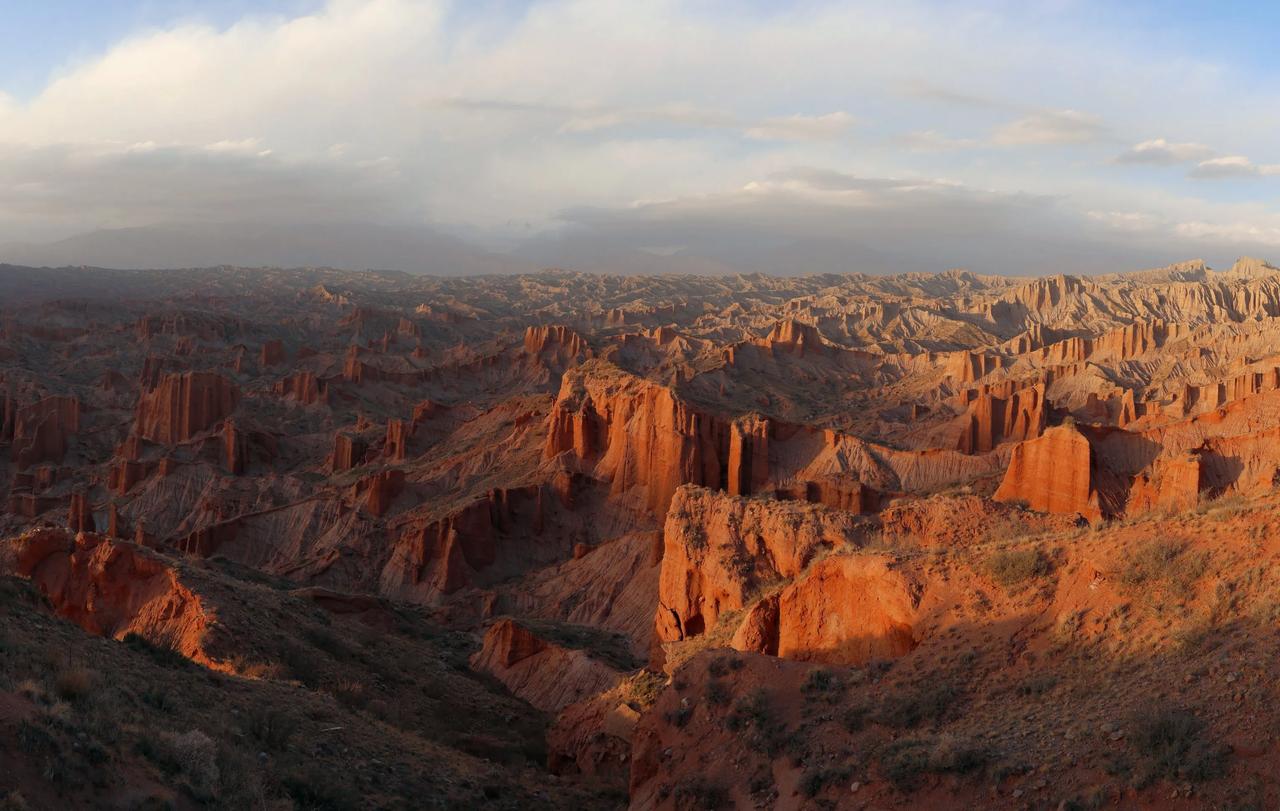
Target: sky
706, 135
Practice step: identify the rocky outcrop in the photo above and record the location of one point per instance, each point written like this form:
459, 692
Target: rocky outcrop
547, 675
1053, 473
381, 489
348, 452
557, 340
396, 444
795, 338
992, 420
846, 609
184, 405
272, 353
41, 431
304, 387
1170, 484
80, 515
112, 588
718, 550
636, 435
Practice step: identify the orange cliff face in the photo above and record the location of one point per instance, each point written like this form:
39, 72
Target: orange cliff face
717, 549
112, 588
41, 430
1054, 474
635, 435
184, 405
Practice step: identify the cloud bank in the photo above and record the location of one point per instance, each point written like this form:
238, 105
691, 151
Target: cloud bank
664, 134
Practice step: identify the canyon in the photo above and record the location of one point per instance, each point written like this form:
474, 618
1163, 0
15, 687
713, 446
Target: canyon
574, 540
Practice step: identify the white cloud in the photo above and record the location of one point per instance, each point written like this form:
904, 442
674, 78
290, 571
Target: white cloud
1162, 152
801, 127
1232, 166
932, 141
1052, 127
413, 110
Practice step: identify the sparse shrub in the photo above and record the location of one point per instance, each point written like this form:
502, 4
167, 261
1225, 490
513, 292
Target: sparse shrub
1164, 563
253, 669
1012, 568
912, 709
271, 727
753, 715
820, 681
718, 693
1037, 685
73, 683
14, 801
700, 794
317, 788
816, 778
191, 754
854, 717
1172, 742
680, 716
351, 693
156, 698
904, 761
165, 655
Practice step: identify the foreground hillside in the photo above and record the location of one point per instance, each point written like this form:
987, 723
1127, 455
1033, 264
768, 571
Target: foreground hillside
315, 539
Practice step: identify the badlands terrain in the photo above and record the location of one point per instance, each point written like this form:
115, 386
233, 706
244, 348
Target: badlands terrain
312, 539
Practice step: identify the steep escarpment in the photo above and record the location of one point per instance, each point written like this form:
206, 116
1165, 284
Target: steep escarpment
113, 588
719, 551
1053, 473
184, 405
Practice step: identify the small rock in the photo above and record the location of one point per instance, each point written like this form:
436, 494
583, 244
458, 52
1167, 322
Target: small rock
854, 788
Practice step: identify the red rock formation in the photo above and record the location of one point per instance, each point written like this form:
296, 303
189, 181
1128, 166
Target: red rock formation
1171, 484
303, 387
547, 675
1053, 474
80, 516
184, 405
235, 448
748, 456
272, 353
992, 420
970, 367
112, 588
795, 338
357, 371
396, 444
41, 430
348, 452
115, 525
636, 435
717, 549
837, 493
846, 609
381, 489
8, 415
556, 339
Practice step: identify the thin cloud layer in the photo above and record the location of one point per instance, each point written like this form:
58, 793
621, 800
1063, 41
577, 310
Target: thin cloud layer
505, 126
1164, 153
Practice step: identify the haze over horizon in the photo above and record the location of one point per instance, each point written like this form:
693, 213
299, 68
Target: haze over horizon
605, 136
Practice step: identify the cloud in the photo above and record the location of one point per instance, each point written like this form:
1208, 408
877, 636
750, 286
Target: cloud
1232, 166
932, 141
801, 127
64, 188
1052, 127
1164, 153
506, 123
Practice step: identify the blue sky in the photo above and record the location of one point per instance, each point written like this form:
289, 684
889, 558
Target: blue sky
1133, 129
